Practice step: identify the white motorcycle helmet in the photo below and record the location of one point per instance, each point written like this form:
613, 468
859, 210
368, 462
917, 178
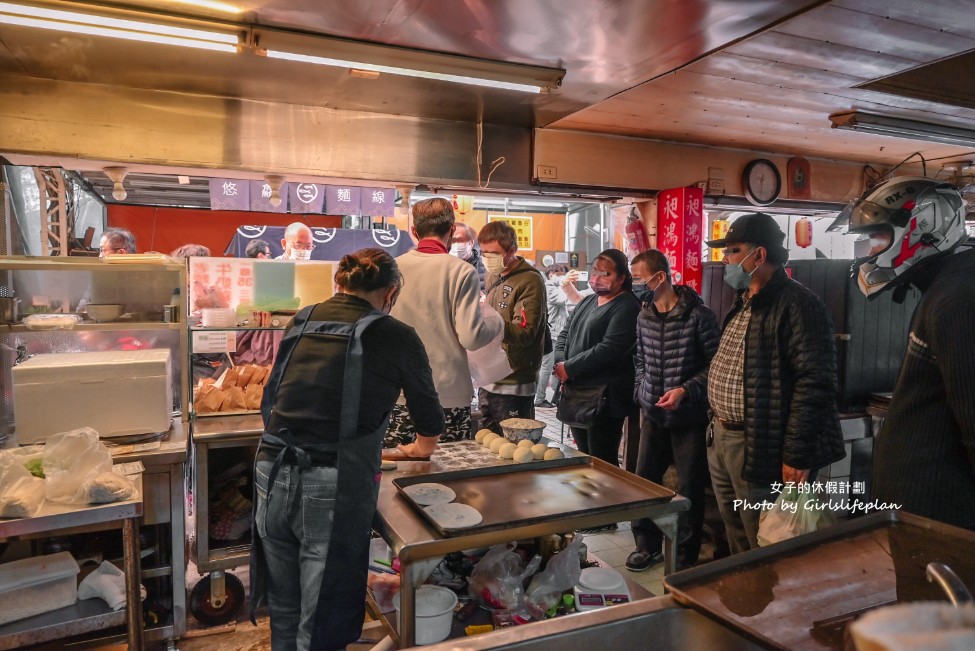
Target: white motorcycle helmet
903, 222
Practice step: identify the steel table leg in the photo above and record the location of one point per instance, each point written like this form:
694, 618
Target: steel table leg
668, 526
133, 581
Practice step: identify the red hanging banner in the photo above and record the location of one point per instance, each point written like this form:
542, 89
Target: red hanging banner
680, 221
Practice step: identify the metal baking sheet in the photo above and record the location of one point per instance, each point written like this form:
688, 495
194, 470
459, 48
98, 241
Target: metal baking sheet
800, 594
513, 495
467, 455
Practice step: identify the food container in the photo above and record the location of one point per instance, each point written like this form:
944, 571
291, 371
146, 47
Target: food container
116, 393
8, 309
51, 321
516, 429
37, 585
434, 607
104, 312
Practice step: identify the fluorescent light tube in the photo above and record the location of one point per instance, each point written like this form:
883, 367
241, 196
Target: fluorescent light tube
406, 72
68, 21
902, 128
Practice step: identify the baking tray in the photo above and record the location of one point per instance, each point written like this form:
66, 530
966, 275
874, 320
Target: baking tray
801, 593
513, 495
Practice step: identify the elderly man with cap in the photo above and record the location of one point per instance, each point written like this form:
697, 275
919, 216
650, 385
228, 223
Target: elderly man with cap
772, 384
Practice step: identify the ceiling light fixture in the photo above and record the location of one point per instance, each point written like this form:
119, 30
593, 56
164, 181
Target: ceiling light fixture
117, 175
902, 128
211, 4
384, 59
133, 30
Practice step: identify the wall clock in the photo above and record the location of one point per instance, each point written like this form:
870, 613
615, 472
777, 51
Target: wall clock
761, 182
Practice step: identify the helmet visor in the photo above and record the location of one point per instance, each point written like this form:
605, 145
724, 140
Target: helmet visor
872, 243
865, 214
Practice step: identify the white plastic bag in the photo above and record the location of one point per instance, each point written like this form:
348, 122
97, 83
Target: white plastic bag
78, 470
489, 363
561, 573
793, 514
21, 493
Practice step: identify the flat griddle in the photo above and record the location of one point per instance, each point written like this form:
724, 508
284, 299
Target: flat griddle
800, 593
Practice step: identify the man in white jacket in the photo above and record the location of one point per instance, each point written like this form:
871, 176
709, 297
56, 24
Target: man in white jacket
440, 299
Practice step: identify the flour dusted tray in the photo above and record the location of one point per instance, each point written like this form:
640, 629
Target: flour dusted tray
509, 494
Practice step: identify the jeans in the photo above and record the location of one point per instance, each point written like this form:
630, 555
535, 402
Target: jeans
601, 439
295, 530
686, 449
544, 375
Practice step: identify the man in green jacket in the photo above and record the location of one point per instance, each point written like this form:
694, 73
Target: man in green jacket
517, 291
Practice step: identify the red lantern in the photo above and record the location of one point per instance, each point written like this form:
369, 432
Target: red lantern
804, 232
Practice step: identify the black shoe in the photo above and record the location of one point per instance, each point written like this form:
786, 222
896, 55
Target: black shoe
606, 528
545, 404
641, 560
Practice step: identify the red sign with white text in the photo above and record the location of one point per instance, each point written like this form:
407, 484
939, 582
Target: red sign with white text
680, 222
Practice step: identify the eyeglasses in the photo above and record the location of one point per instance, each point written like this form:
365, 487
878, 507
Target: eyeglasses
302, 247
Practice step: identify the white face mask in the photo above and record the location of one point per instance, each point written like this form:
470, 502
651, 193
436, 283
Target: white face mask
494, 263
462, 251
299, 254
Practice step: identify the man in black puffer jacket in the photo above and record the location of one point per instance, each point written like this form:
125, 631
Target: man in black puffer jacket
677, 335
772, 384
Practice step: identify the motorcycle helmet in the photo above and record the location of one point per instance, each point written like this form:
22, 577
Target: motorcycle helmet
902, 223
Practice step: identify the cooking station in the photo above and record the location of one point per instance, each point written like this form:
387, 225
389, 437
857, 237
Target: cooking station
517, 501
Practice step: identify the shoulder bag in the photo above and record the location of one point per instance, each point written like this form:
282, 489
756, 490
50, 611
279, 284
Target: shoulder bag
579, 406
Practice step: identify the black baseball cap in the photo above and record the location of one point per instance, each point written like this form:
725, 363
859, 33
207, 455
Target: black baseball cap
754, 228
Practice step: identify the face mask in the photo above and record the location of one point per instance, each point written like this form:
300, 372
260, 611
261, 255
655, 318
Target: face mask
462, 251
494, 263
736, 276
299, 254
643, 292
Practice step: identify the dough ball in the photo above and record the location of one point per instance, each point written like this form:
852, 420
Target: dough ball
523, 455
507, 451
488, 438
553, 453
497, 443
525, 443
539, 450
481, 433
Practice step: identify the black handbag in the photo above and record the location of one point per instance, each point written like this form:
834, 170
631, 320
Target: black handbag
579, 406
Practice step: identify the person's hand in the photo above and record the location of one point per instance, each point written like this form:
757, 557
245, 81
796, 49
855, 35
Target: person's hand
794, 475
570, 277
559, 372
672, 399
405, 452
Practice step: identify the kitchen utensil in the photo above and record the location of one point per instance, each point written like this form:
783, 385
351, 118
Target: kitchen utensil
104, 312
8, 309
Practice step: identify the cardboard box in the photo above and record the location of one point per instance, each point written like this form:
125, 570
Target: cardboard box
116, 393
32, 586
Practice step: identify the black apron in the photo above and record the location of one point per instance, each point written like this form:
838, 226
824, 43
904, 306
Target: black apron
341, 601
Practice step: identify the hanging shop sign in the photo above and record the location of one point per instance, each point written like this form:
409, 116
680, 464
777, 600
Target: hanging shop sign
229, 194
342, 199
680, 221
377, 202
306, 198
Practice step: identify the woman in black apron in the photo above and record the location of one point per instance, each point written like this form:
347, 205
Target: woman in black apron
338, 373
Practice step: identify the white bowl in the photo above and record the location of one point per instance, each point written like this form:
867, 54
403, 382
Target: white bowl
434, 608
102, 312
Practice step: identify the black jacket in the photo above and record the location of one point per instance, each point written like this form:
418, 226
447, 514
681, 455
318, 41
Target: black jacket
672, 351
791, 382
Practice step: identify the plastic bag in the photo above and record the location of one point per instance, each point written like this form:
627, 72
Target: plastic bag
21, 493
794, 513
78, 470
498, 579
561, 573
489, 363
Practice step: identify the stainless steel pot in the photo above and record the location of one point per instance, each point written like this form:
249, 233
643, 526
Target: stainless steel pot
8, 309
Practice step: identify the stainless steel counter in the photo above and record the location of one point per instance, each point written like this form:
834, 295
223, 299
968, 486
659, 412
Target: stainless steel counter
416, 541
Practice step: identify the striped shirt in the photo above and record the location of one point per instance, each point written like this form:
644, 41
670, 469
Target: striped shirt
726, 388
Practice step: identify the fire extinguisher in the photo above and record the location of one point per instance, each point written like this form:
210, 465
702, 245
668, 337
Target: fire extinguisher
804, 232
636, 234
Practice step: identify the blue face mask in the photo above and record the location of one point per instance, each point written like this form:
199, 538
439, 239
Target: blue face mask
736, 276
643, 292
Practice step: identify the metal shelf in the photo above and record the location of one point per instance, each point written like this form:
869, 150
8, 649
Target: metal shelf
84, 616
113, 326
42, 263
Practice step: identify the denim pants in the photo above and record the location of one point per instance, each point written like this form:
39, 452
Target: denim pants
295, 533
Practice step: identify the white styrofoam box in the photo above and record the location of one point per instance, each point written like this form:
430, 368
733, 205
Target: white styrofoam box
116, 393
36, 585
